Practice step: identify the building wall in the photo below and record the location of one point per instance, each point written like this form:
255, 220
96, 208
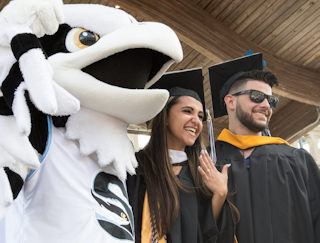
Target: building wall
311, 143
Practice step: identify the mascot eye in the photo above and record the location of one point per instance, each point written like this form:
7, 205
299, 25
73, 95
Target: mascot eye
78, 39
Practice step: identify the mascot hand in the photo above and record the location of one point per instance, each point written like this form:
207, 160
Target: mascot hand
44, 92
41, 16
15, 149
33, 73
9, 161
66, 104
6, 197
17, 154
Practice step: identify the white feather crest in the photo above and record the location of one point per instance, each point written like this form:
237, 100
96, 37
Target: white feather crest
106, 137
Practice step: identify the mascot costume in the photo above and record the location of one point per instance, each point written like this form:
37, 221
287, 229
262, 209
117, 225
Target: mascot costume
72, 78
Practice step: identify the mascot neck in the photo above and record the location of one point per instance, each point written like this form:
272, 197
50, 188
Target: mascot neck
104, 138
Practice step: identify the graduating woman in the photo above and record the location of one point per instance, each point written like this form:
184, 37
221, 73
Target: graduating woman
178, 195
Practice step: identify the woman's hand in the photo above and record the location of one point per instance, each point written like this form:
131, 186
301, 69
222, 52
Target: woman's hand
217, 182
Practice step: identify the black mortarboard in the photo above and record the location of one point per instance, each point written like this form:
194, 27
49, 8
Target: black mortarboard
223, 76
187, 82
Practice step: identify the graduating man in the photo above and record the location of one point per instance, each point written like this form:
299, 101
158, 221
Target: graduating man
275, 187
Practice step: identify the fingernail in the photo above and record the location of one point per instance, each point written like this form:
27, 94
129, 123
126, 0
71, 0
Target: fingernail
228, 165
200, 156
203, 151
206, 151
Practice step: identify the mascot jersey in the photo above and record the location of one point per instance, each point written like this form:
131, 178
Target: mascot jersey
73, 205
72, 78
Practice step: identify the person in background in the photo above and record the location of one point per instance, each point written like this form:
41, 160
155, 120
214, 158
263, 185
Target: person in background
178, 195
275, 187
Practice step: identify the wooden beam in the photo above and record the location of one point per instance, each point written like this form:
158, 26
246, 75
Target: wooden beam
294, 120
203, 32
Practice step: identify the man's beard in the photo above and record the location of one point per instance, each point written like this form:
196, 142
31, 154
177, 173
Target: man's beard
248, 121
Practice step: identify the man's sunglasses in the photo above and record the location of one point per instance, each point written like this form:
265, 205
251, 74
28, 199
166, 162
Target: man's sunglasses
258, 97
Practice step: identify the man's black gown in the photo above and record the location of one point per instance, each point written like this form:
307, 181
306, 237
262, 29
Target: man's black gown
277, 194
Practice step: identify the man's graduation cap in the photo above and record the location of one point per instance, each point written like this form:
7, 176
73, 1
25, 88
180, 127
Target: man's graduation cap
223, 76
187, 82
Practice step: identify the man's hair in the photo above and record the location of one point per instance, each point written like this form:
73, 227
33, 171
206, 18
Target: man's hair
260, 75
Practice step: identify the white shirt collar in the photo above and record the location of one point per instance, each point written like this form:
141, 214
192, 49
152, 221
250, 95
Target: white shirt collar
177, 156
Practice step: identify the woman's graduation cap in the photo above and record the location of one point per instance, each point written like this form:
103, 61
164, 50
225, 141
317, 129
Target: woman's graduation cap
223, 76
187, 82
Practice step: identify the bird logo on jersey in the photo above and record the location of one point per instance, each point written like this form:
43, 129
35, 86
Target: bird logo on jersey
111, 195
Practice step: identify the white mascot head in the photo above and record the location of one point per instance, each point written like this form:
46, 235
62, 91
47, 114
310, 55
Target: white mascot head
72, 78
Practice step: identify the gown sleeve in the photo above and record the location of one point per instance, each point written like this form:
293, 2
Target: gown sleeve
313, 189
203, 228
136, 188
226, 225
206, 220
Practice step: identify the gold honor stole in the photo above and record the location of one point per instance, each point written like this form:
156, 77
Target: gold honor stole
148, 230
245, 142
